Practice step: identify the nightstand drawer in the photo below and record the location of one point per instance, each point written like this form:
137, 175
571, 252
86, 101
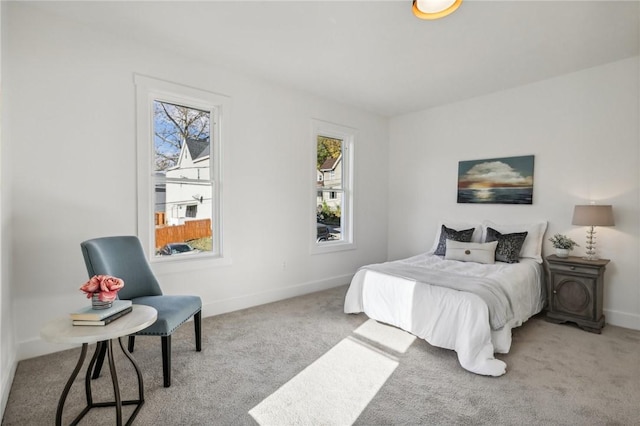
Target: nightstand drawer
576, 269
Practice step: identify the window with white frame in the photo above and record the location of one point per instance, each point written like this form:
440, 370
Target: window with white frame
333, 180
179, 139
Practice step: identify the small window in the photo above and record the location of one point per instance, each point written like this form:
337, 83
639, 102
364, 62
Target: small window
333, 212
192, 211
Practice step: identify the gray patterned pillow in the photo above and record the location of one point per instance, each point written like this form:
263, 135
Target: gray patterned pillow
509, 245
463, 236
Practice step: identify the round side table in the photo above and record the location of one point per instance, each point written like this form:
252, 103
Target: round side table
62, 330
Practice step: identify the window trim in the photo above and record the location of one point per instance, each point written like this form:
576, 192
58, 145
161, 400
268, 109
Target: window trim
348, 137
149, 89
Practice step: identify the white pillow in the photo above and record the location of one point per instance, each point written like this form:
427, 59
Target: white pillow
458, 226
532, 247
471, 252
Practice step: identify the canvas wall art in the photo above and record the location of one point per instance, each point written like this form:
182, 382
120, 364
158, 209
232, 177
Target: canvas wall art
506, 180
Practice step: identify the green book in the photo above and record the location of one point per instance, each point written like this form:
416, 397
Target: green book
90, 314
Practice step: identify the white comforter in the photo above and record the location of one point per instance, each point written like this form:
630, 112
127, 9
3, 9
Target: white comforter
449, 318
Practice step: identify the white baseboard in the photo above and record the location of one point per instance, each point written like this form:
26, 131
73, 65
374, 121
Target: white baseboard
247, 301
37, 347
7, 381
622, 319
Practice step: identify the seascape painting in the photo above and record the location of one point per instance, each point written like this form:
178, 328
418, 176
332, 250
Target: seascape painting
506, 180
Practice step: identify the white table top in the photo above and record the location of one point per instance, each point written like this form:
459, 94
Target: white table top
62, 330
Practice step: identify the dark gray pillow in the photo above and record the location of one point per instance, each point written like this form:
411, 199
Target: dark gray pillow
509, 245
463, 236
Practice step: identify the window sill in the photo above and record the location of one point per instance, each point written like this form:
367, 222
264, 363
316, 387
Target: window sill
331, 247
188, 263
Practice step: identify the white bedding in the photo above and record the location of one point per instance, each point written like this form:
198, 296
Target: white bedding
450, 318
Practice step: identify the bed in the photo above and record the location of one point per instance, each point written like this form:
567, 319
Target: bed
461, 295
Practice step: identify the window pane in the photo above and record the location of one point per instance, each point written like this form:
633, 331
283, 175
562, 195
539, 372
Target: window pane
181, 141
329, 216
329, 194
183, 185
184, 219
329, 162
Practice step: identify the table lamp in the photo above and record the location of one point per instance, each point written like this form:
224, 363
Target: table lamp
592, 215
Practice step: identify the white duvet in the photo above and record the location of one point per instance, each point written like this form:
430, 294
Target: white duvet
448, 318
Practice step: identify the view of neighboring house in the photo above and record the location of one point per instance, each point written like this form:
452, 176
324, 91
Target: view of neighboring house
330, 177
160, 199
329, 199
190, 199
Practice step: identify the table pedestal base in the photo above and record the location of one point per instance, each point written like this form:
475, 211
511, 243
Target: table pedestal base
118, 403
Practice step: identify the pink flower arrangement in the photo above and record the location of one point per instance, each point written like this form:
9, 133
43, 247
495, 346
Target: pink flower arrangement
106, 286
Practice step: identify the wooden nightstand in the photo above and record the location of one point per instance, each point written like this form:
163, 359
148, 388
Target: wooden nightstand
575, 291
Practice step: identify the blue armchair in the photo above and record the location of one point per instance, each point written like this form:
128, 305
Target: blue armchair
123, 257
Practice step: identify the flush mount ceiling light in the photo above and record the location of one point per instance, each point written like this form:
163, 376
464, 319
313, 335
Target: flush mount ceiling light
434, 9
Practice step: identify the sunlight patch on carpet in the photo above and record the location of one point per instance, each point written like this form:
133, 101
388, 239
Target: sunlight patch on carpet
391, 337
332, 391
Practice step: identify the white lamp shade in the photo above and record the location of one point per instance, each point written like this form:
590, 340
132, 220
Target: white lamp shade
593, 215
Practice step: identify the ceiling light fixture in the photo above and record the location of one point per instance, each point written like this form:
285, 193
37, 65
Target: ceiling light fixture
434, 9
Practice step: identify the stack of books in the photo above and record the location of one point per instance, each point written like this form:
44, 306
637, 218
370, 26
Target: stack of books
90, 316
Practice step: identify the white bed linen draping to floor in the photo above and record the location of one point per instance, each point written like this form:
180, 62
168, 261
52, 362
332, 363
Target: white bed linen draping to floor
447, 318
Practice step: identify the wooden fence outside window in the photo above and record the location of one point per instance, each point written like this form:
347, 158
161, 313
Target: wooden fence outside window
191, 230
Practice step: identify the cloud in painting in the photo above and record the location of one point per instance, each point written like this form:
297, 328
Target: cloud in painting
494, 174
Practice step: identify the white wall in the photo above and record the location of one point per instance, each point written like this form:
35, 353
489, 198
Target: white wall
7, 337
72, 134
583, 130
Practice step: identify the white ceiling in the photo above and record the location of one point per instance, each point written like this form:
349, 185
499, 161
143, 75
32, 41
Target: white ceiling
375, 54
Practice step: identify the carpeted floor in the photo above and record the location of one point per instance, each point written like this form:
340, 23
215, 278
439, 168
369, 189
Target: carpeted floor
557, 374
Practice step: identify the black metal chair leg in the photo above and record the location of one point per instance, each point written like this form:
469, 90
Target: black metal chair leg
166, 360
132, 342
100, 360
197, 322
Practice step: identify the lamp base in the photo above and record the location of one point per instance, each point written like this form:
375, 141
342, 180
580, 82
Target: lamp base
591, 244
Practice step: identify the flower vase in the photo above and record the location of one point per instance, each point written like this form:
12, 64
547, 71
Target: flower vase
96, 303
560, 252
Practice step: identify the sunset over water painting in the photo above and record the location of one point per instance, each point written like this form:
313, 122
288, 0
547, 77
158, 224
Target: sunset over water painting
507, 180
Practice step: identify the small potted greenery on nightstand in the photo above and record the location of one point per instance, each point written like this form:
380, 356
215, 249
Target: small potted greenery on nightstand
562, 244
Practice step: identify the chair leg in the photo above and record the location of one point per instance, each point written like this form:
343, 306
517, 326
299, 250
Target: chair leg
166, 360
99, 361
132, 342
197, 322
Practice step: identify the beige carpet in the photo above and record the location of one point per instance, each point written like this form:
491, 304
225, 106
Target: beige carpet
338, 386
332, 391
557, 374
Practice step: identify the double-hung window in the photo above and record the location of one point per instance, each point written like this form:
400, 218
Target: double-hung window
332, 228
179, 145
